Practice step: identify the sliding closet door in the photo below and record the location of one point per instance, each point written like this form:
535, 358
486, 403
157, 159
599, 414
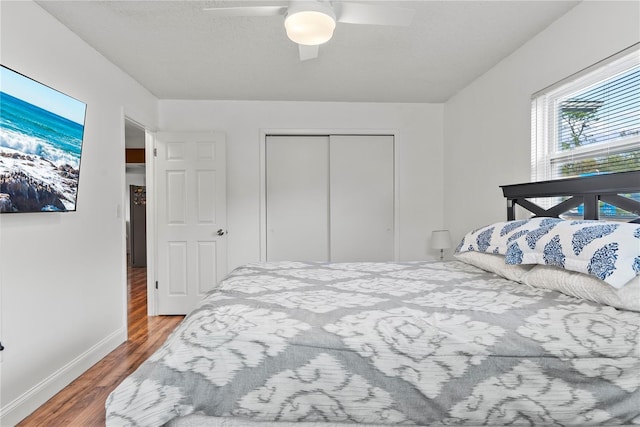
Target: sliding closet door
361, 197
297, 198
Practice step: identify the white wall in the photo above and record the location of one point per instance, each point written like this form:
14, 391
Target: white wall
487, 125
419, 151
62, 276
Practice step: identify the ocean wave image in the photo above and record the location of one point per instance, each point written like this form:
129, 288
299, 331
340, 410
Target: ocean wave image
40, 150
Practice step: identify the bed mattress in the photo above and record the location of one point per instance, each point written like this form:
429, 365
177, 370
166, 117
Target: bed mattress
421, 343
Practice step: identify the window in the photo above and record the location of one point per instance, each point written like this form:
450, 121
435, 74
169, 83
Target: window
589, 124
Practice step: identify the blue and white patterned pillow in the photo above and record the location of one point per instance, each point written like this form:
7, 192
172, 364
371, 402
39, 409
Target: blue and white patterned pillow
496, 238
607, 250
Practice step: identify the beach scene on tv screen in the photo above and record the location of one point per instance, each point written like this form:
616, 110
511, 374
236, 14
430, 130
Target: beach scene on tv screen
41, 133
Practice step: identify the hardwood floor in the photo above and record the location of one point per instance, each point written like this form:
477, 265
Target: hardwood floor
81, 403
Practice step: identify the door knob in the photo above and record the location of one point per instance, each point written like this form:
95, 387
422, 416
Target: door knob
220, 232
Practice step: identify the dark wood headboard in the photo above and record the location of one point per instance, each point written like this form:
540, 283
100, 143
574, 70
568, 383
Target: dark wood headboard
587, 189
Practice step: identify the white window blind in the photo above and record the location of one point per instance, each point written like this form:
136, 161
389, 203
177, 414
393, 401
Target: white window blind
589, 123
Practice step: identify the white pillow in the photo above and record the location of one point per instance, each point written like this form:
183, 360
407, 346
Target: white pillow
496, 238
584, 286
494, 264
607, 250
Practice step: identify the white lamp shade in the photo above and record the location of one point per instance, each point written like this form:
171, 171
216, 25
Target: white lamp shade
440, 239
310, 27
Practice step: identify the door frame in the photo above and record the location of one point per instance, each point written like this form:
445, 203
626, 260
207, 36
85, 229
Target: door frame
327, 131
150, 214
152, 251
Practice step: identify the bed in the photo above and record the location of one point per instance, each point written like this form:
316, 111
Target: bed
519, 329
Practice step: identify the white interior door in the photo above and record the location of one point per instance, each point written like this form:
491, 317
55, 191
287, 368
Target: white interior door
297, 198
362, 197
191, 217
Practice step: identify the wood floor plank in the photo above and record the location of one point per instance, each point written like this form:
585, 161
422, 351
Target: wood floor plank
81, 403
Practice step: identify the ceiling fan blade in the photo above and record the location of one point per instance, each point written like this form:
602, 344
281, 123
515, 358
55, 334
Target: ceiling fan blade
358, 13
247, 11
307, 52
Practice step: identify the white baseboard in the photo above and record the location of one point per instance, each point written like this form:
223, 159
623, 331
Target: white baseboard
15, 411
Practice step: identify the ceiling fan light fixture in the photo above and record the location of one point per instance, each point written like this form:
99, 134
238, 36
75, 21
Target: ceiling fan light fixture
310, 27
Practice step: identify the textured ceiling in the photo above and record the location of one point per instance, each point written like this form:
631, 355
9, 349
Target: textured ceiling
178, 51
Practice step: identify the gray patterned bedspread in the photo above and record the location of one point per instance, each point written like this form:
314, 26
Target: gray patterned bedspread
389, 343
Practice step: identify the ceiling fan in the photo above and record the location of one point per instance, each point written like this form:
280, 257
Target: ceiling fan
310, 23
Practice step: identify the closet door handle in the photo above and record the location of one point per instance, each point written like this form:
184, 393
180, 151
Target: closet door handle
220, 232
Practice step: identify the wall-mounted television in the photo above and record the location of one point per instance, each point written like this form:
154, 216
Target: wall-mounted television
41, 134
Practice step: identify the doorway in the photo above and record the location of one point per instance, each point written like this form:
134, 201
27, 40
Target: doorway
135, 214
